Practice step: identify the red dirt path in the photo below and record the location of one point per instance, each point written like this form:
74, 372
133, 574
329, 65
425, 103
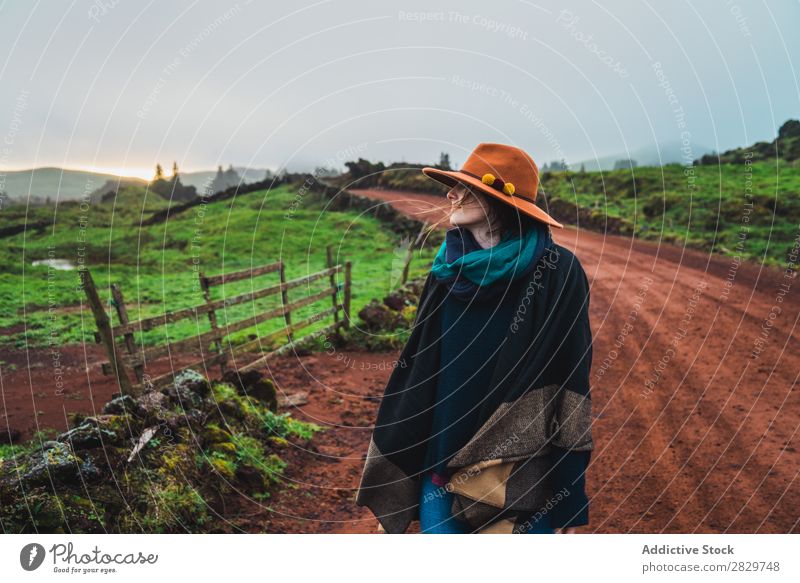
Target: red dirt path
709, 445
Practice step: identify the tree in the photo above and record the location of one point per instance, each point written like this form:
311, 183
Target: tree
218, 184
555, 166
790, 129
225, 179
172, 189
444, 161
159, 185
232, 177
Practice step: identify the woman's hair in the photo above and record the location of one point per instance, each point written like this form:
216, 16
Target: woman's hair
510, 218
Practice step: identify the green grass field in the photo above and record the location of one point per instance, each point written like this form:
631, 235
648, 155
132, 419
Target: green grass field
751, 210
157, 266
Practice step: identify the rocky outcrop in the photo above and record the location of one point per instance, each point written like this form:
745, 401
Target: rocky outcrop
159, 462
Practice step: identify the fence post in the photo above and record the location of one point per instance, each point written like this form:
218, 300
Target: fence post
104, 329
347, 283
285, 302
212, 319
334, 297
122, 314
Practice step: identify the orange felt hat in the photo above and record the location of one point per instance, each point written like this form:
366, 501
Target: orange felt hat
504, 172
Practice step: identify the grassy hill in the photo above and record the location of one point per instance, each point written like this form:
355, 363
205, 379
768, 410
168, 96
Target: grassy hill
57, 183
751, 210
157, 265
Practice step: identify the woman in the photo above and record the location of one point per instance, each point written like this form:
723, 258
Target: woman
488, 427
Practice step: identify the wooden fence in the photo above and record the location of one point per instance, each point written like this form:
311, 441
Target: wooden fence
125, 356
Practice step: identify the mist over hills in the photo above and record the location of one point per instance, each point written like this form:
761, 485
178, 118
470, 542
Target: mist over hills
660, 154
52, 183
65, 184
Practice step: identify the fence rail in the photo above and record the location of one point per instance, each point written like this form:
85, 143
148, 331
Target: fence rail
125, 357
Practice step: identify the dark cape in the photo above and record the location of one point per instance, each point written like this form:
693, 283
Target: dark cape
537, 402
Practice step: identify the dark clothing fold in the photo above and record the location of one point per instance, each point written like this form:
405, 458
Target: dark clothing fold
522, 436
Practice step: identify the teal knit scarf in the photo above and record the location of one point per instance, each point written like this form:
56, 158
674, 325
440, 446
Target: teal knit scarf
511, 258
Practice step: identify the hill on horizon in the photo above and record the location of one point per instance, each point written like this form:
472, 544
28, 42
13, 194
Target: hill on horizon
660, 154
66, 184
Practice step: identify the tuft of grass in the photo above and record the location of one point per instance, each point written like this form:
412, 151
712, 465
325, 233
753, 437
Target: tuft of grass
283, 425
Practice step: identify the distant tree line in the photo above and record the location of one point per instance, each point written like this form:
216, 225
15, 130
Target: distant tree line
226, 179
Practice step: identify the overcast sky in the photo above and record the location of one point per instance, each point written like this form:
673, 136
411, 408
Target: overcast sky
115, 84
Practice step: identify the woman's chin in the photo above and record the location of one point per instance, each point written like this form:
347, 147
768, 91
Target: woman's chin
457, 220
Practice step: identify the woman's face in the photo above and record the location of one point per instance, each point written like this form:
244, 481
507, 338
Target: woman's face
468, 207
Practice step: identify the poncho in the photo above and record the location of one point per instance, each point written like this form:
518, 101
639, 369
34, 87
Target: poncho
537, 401
475, 314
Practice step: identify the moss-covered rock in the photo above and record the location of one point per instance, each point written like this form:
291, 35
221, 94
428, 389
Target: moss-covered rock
212, 433
58, 463
192, 445
124, 405
191, 380
88, 436
252, 384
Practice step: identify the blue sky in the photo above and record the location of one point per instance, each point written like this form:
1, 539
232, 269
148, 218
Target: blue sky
118, 85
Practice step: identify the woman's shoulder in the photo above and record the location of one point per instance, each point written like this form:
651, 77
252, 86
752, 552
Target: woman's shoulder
562, 267
563, 260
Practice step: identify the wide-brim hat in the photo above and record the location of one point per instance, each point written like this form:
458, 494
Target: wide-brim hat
505, 172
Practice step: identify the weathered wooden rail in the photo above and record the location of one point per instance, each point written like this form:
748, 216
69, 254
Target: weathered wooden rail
124, 356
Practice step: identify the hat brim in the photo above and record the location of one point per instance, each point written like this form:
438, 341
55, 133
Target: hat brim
451, 178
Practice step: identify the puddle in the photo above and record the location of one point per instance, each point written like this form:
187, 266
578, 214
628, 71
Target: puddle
59, 264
